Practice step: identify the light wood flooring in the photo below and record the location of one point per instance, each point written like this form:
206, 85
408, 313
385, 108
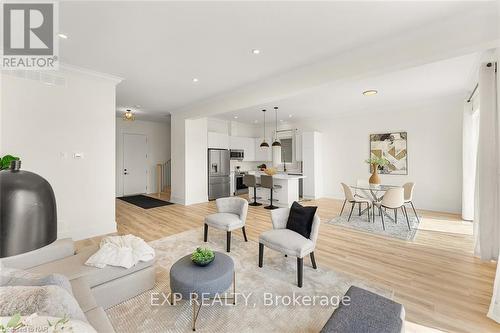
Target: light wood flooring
441, 284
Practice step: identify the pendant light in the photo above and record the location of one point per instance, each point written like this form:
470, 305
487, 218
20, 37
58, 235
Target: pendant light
128, 115
264, 144
276, 143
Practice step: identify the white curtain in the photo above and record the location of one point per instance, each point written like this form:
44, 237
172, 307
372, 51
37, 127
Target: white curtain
469, 157
487, 193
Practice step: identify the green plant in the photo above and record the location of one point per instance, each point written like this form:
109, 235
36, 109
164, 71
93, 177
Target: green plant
377, 160
5, 161
13, 324
202, 255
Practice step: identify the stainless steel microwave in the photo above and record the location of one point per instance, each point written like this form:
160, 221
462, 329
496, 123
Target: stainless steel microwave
237, 154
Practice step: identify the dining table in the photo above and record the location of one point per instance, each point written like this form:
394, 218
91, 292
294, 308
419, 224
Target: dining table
374, 192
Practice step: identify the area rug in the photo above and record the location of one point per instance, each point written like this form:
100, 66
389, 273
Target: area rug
267, 288
396, 230
144, 201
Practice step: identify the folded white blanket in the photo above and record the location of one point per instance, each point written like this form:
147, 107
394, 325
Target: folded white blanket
125, 251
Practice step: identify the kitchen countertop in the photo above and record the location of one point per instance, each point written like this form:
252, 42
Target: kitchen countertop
283, 176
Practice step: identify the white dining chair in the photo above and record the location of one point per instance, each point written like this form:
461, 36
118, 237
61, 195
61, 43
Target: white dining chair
393, 199
408, 187
353, 200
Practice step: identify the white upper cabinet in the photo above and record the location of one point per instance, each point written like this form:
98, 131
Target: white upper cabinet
218, 140
244, 143
262, 154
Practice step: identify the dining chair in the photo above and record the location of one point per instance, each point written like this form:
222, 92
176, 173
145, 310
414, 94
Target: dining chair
408, 187
349, 197
393, 199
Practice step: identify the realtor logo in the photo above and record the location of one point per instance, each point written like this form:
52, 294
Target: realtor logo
29, 40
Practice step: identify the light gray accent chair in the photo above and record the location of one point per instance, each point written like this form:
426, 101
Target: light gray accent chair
231, 215
289, 242
95, 289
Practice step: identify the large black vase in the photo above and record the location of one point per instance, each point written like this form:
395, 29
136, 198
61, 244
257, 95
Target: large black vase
28, 216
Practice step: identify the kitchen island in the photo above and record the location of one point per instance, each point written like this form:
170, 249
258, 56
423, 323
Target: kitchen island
286, 189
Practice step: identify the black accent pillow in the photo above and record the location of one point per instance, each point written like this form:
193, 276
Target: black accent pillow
301, 219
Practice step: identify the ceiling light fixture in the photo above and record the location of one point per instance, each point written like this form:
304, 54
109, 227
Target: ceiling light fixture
370, 92
256, 51
264, 144
235, 117
290, 115
276, 143
128, 115
63, 36
195, 80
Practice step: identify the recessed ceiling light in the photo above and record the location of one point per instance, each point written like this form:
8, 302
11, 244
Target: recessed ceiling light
137, 106
195, 80
255, 121
235, 117
370, 92
63, 36
256, 51
281, 120
290, 115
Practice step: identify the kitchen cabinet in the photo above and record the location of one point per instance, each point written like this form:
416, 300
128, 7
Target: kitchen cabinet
218, 140
262, 154
244, 143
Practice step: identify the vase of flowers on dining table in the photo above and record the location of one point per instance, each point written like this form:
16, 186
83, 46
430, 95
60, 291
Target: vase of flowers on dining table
375, 162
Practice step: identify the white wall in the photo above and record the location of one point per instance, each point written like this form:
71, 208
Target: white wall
189, 142
158, 136
434, 150
46, 124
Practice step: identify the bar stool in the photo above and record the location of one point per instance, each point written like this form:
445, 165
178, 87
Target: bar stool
267, 182
250, 181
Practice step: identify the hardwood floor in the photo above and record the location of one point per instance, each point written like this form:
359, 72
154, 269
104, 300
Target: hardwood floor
441, 284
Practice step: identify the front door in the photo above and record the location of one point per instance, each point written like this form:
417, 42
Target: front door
135, 176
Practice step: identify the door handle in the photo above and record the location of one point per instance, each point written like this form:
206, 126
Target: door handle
125, 172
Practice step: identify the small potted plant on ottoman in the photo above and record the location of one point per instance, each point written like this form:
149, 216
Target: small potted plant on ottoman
202, 256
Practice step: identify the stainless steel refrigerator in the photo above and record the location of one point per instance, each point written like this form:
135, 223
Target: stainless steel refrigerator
218, 173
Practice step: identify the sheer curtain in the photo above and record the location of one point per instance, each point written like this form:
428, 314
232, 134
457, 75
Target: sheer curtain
487, 190
470, 137
487, 193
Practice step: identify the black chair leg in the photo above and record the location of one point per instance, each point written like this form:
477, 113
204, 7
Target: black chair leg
228, 241
255, 203
244, 234
205, 233
407, 220
261, 254
359, 209
300, 271
414, 211
396, 215
352, 208
342, 210
271, 204
313, 260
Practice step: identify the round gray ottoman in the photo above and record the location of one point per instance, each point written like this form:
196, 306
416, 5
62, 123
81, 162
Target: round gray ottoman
187, 279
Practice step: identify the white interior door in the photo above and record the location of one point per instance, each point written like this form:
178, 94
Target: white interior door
135, 169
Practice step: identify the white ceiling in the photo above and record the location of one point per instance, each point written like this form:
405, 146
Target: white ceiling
159, 47
418, 84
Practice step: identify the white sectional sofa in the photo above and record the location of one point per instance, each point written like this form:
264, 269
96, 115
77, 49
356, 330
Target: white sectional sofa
95, 289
